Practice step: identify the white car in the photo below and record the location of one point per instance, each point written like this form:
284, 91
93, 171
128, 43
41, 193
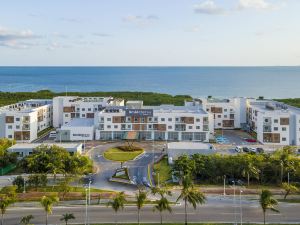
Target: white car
252, 150
52, 134
238, 149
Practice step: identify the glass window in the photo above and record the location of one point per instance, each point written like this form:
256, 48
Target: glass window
162, 119
170, 119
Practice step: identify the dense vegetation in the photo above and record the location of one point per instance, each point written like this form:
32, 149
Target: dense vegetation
291, 101
56, 160
6, 158
149, 98
261, 168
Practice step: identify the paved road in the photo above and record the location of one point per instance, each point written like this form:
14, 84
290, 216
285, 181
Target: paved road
217, 209
138, 169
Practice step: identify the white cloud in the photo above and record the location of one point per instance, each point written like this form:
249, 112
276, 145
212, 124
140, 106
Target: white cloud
140, 20
208, 7
259, 4
16, 39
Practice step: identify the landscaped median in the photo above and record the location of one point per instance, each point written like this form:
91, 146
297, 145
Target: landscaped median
123, 153
162, 171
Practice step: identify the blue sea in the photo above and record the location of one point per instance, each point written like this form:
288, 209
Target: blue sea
271, 82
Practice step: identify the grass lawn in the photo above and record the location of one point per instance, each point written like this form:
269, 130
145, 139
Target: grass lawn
116, 154
164, 170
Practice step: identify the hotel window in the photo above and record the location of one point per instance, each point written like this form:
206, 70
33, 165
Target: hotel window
150, 126
66, 115
17, 119
116, 126
83, 109
275, 128
198, 120
177, 119
17, 127
9, 136
9, 127
128, 126
78, 109
219, 116
162, 119
284, 129
155, 119
225, 116
82, 115
219, 124
170, 119
108, 119
266, 120
89, 109
150, 119
108, 126
275, 121
197, 127
169, 127
190, 127
225, 110
136, 119
283, 139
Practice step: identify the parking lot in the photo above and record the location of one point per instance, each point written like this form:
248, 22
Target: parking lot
234, 137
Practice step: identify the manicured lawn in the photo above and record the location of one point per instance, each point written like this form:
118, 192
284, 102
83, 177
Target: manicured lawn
116, 154
164, 170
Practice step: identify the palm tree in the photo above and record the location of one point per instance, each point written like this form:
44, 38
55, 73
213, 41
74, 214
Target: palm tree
4, 203
190, 195
66, 217
26, 219
117, 203
267, 201
141, 197
162, 204
47, 203
289, 188
250, 170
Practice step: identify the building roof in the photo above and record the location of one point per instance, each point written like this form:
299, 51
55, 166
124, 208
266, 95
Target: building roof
188, 145
80, 122
35, 145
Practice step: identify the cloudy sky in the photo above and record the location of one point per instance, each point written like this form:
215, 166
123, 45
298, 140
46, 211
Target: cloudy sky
150, 32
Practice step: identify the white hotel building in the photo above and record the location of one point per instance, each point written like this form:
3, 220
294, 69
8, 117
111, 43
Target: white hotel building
227, 113
22, 121
165, 122
274, 123
68, 108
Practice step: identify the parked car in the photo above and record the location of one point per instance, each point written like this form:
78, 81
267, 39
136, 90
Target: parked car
238, 149
52, 134
250, 140
232, 181
146, 183
253, 150
246, 149
259, 150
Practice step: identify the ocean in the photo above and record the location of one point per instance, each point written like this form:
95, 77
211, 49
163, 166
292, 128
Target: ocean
270, 82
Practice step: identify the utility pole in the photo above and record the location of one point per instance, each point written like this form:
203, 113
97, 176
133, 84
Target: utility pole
234, 203
224, 189
241, 208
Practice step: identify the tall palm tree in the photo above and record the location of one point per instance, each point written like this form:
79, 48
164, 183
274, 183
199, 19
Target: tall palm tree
162, 205
250, 170
47, 203
141, 197
66, 217
26, 219
190, 195
4, 203
267, 201
117, 203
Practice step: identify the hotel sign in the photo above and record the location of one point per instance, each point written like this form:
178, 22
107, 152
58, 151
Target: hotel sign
139, 112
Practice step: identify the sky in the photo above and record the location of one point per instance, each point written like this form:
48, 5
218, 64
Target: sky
150, 33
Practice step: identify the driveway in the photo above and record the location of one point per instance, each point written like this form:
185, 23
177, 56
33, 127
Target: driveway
138, 169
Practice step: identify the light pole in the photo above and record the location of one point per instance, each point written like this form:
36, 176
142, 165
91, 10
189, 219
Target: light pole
241, 208
86, 206
234, 203
224, 189
24, 184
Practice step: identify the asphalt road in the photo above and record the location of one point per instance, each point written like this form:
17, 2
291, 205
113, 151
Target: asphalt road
217, 209
138, 169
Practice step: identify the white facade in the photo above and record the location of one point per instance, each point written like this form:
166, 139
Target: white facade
226, 113
22, 121
274, 123
165, 122
67, 108
26, 149
77, 130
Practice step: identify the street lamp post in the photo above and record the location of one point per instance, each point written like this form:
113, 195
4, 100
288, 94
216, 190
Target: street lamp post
24, 184
241, 208
234, 203
86, 206
224, 189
